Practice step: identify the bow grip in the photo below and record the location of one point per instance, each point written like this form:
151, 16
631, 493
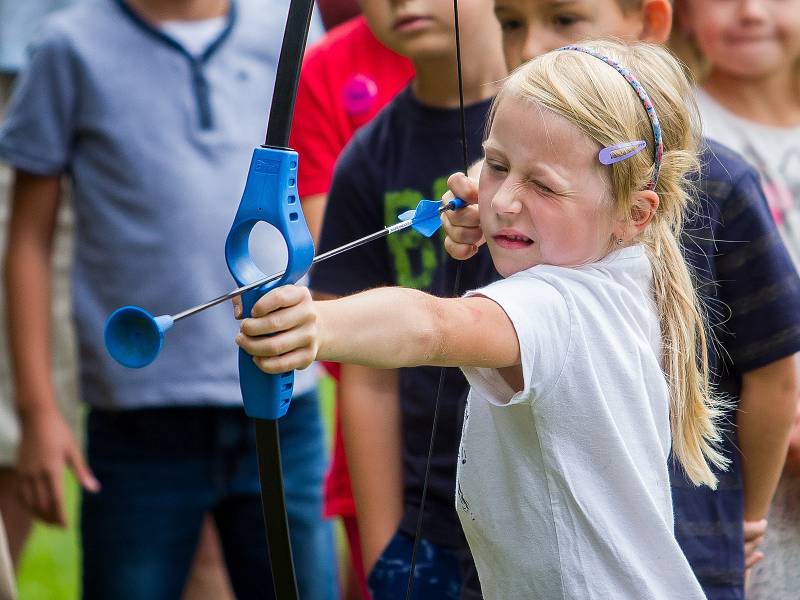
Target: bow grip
270, 195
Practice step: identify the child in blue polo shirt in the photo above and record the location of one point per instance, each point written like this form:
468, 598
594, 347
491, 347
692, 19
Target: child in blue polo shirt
152, 108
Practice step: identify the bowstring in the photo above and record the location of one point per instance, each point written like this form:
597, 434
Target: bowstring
456, 286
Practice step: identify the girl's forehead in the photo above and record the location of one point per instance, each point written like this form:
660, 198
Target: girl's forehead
518, 115
533, 134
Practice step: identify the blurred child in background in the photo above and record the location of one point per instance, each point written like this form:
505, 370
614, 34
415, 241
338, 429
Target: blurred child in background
747, 55
346, 79
157, 154
401, 156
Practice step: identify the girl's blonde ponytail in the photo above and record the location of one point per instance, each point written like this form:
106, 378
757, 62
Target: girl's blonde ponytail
694, 408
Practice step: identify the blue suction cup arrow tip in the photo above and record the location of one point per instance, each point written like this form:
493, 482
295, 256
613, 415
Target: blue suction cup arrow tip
134, 337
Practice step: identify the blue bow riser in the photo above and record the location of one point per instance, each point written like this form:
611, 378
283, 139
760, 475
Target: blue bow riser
270, 195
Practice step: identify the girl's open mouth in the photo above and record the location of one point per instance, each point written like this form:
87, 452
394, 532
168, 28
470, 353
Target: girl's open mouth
512, 241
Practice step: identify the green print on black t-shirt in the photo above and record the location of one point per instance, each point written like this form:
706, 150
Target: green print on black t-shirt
413, 256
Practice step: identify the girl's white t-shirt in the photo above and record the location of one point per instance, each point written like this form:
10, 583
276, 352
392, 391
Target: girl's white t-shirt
562, 488
773, 151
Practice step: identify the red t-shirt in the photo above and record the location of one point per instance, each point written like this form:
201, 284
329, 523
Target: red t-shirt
347, 77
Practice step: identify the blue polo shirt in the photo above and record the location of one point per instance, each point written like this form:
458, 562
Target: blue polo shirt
157, 144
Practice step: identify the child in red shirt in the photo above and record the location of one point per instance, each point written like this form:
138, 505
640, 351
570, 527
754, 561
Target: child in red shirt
347, 77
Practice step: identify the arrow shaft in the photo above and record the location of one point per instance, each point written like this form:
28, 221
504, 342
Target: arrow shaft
317, 259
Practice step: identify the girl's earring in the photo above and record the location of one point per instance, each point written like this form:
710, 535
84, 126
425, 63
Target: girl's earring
620, 241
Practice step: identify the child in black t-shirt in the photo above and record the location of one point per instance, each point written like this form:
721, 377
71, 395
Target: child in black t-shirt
406, 154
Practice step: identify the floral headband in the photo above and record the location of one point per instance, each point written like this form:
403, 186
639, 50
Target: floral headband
619, 152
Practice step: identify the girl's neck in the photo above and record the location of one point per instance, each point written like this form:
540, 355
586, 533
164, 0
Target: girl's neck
772, 100
157, 11
436, 80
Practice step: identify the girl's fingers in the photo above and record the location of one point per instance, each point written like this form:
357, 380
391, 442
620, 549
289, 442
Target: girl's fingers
297, 359
463, 187
280, 320
459, 232
276, 345
237, 307
282, 297
459, 251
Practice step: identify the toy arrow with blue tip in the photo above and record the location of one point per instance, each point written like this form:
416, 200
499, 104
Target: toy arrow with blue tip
134, 337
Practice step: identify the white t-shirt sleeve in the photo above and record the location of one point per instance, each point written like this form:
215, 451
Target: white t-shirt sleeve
541, 318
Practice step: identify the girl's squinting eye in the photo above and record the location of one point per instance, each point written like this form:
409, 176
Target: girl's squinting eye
542, 187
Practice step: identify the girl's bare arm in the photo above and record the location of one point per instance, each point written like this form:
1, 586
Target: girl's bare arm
381, 328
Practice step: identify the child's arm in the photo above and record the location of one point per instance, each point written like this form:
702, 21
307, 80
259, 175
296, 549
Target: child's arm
382, 328
766, 414
766, 406
369, 405
47, 443
793, 457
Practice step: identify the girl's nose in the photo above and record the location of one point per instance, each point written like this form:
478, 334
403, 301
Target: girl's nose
506, 201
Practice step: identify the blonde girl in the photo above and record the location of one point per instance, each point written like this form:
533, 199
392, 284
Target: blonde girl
586, 355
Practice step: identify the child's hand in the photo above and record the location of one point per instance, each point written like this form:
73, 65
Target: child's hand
753, 537
46, 446
281, 334
462, 227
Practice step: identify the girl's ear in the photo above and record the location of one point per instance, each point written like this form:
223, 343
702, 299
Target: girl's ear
643, 208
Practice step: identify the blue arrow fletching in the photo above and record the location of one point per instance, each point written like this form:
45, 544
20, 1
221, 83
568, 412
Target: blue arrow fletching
426, 217
407, 215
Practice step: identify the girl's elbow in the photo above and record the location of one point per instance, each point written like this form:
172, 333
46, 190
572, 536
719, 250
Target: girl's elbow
432, 333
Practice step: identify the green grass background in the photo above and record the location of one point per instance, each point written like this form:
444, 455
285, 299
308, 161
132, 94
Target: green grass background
49, 569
